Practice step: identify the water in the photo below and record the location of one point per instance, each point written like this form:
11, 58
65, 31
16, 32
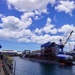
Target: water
27, 67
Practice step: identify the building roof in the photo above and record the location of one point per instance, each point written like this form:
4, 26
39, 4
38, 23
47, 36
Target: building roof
8, 51
49, 44
46, 44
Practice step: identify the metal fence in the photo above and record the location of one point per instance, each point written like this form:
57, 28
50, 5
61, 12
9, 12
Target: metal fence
9, 66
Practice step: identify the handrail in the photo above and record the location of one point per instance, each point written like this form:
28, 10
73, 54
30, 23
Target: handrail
14, 66
6, 69
9, 68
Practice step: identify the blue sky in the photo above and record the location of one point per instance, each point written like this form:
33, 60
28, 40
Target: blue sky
26, 24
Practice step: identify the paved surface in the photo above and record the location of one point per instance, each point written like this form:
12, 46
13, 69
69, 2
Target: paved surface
1, 68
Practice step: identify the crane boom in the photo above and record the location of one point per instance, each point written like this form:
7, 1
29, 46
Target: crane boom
68, 37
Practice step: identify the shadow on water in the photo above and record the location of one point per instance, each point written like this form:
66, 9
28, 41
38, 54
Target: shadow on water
27, 67
48, 69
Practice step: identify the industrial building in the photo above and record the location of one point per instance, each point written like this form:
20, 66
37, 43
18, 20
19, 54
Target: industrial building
49, 50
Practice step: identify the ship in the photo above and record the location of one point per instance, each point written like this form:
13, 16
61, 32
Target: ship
62, 57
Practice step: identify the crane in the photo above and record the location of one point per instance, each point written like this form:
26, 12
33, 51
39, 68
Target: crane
62, 45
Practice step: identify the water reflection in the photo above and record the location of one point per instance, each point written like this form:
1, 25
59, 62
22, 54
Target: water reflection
47, 69
73, 70
26, 67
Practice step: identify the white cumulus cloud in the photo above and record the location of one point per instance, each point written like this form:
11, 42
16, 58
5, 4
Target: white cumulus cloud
67, 28
66, 6
15, 28
29, 5
48, 28
14, 23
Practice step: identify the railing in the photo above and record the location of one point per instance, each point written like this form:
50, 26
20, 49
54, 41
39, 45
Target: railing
9, 66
